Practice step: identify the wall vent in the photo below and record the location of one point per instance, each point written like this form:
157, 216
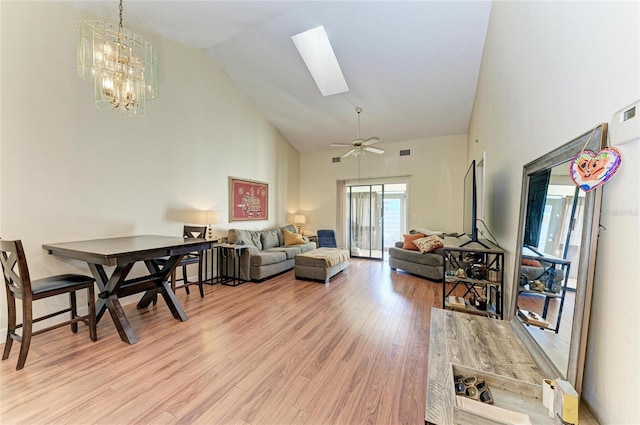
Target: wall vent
405, 152
336, 159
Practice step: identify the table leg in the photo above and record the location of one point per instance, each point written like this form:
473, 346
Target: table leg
120, 320
172, 301
162, 286
106, 285
108, 300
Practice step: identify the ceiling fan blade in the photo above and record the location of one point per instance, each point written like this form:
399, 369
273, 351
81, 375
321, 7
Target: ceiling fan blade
340, 145
371, 141
374, 150
350, 152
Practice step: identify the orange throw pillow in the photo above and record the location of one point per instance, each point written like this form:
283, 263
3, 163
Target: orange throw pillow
531, 263
408, 241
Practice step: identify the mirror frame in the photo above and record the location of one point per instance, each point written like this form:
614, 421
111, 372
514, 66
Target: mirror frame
594, 140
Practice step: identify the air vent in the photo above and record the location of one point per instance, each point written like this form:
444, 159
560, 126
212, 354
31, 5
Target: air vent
336, 159
405, 152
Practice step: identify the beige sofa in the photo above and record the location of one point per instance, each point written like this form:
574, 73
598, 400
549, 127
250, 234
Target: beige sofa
267, 255
429, 265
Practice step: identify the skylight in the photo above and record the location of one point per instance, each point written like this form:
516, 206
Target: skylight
317, 53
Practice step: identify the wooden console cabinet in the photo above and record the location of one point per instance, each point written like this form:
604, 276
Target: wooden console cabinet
478, 343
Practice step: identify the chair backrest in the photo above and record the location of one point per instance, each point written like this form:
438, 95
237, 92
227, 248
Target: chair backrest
197, 232
12, 253
326, 239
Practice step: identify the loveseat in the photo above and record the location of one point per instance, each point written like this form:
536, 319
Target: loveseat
427, 265
408, 257
268, 254
539, 270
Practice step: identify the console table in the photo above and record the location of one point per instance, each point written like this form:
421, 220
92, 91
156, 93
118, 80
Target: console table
480, 343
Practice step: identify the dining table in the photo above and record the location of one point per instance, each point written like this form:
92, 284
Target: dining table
120, 254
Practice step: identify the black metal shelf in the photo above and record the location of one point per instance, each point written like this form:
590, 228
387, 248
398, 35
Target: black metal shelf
457, 257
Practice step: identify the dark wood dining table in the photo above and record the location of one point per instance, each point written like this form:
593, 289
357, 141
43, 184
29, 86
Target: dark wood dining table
122, 253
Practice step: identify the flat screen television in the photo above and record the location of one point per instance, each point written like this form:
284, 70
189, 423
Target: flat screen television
470, 200
470, 206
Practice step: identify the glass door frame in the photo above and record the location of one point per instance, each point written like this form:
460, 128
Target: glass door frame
376, 212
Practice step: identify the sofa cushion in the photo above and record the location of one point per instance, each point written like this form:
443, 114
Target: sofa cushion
408, 241
309, 246
245, 237
430, 259
289, 251
267, 257
429, 232
269, 238
429, 244
292, 238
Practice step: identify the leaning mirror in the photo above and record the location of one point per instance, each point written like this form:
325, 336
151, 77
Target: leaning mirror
554, 268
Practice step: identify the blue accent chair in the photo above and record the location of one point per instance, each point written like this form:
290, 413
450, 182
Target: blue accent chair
326, 239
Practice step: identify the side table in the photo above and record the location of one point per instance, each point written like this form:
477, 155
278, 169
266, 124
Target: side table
210, 255
229, 263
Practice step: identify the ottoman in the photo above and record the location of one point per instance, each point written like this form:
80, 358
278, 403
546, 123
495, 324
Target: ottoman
321, 264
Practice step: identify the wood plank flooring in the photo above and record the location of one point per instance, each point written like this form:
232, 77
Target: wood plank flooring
283, 351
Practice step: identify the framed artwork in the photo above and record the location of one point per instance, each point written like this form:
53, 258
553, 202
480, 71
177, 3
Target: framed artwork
248, 200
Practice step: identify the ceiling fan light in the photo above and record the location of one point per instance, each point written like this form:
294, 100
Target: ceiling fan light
360, 146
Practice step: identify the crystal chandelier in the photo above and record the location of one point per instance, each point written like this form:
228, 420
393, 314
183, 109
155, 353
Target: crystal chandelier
122, 65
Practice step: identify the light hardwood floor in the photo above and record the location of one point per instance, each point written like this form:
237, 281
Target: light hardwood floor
278, 352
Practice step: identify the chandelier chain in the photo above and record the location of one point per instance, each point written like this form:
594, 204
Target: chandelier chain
120, 15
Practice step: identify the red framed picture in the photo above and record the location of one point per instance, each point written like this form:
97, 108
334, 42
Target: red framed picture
249, 200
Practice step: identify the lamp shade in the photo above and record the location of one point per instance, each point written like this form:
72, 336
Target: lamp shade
208, 217
299, 219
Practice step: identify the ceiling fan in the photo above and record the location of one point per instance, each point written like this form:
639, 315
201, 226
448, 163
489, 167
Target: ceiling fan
360, 146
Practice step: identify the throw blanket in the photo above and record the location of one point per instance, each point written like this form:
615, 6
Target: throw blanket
332, 256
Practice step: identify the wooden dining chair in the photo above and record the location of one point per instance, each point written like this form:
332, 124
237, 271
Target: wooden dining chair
19, 285
189, 232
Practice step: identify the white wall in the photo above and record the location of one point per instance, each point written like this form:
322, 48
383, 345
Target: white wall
550, 72
436, 167
69, 171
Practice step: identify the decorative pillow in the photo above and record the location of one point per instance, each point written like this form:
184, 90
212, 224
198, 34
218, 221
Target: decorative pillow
532, 263
429, 243
269, 239
291, 238
289, 227
408, 241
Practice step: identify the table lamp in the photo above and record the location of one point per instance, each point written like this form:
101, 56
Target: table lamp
299, 219
209, 218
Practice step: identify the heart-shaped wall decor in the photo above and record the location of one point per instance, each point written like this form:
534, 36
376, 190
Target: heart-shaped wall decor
590, 170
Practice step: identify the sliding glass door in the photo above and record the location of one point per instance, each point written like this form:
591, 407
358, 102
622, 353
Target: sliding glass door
366, 225
376, 214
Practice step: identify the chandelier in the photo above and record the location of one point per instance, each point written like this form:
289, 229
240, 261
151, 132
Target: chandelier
122, 66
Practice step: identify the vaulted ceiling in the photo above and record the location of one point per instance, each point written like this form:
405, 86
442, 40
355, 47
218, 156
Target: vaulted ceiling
411, 65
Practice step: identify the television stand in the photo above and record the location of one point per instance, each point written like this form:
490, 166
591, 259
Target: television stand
461, 286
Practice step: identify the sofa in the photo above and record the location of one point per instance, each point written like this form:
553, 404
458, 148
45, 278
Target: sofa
428, 265
267, 254
539, 270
